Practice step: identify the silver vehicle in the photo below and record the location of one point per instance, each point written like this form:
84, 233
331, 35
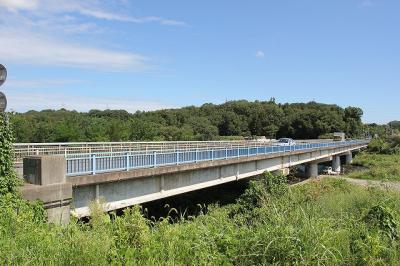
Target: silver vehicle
286, 142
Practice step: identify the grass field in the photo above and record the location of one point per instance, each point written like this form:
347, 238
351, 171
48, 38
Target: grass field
381, 166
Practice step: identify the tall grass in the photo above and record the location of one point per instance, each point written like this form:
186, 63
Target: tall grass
381, 166
324, 222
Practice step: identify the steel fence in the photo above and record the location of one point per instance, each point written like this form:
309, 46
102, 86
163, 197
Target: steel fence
93, 163
22, 150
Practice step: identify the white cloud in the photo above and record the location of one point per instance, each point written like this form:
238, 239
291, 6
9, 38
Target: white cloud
92, 8
28, 48
170, 22
260, 54
14, 5
111, 16
47, 32
40, 83
21, 102
63, 24
105, 15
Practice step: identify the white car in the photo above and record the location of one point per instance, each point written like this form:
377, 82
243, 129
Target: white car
286, 142
329, 171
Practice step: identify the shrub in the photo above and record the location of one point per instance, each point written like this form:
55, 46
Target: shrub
388, 145
258, 192
382, 218
8, 178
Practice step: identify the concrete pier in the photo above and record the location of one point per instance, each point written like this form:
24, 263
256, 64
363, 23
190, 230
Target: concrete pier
336, 164
349, 157
312, 170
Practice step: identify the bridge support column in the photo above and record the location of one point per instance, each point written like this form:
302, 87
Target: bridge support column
336, 163
312, 170
349, 157
45, 178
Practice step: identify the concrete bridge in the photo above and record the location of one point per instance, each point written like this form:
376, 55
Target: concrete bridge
68, 182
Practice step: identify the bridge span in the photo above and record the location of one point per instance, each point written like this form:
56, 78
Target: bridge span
69, 182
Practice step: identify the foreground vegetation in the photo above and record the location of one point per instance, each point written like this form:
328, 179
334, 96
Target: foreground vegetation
324, 222
233, 119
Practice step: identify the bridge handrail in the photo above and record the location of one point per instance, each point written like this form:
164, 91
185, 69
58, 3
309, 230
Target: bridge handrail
64, 148
92, 163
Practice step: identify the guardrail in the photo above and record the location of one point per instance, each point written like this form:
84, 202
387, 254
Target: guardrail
28, 149
65, 148
94, 163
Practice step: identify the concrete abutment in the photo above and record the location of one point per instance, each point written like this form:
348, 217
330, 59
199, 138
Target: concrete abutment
46, 181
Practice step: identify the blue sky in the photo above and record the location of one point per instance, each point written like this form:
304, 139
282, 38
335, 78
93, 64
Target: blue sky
146, 55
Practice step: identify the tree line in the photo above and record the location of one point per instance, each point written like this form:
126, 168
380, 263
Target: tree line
231, 120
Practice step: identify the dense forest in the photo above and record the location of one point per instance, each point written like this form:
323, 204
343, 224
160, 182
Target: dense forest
394, 124
207, 122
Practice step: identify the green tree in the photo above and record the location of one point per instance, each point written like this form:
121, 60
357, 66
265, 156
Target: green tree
353, 119
118, 130
203, 128
143, 130
231, 124
234, 119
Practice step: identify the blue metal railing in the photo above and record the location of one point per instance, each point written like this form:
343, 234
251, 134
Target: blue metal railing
82, 164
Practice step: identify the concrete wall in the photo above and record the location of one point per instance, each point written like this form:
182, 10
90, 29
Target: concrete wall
46, 181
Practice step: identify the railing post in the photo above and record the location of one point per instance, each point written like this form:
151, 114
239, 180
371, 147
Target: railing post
155, 159
196, 156
226, 153
94, 164
177, 157
127, 161
248, 151
212, 154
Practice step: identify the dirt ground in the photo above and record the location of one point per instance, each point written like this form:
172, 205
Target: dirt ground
361, 182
